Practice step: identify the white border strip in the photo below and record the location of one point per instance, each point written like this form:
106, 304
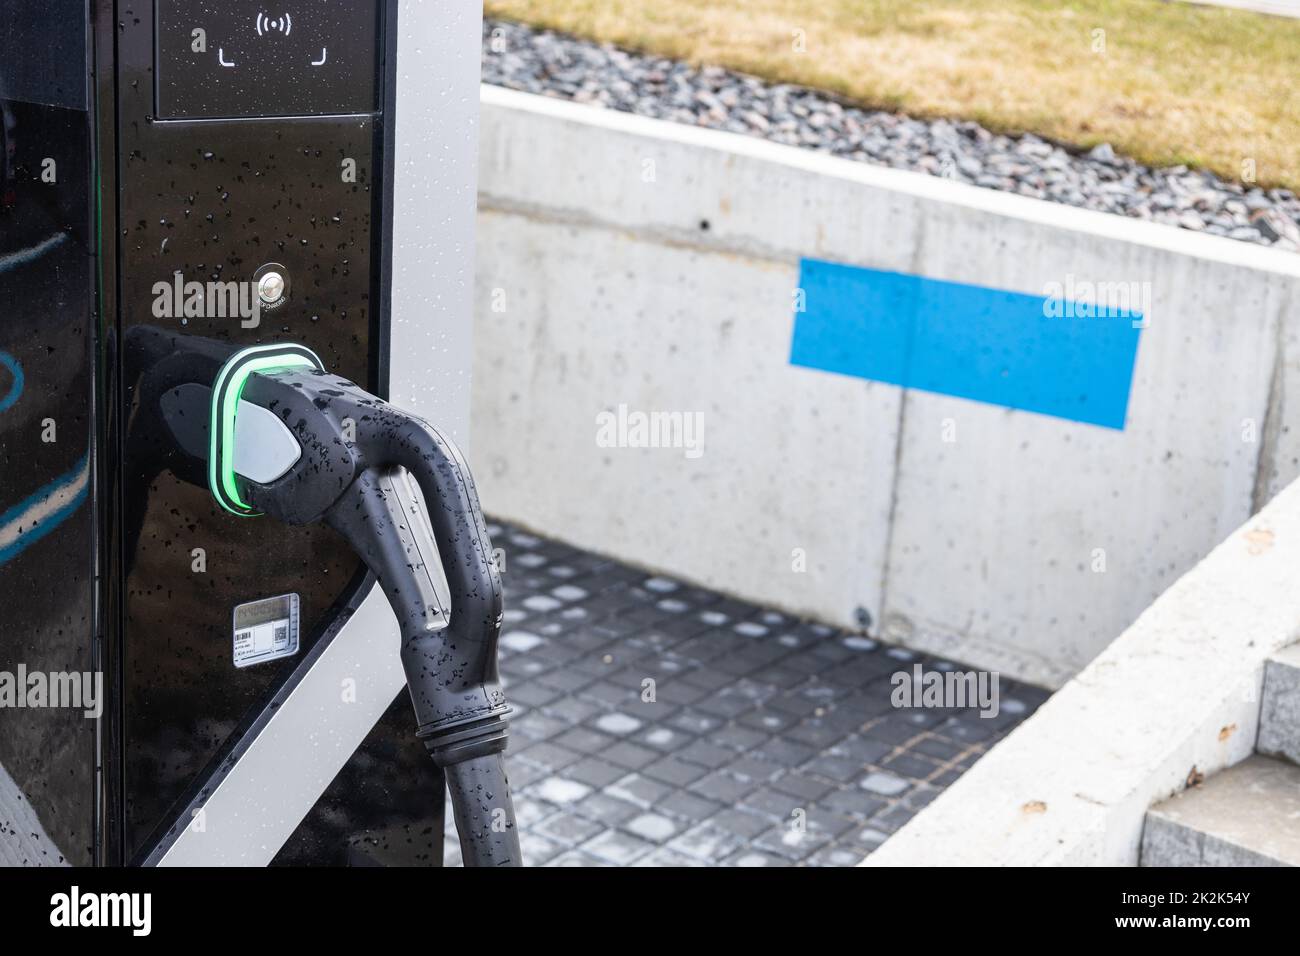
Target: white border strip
264, 797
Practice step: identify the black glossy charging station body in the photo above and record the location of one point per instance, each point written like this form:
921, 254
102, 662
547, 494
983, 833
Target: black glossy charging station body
250, 140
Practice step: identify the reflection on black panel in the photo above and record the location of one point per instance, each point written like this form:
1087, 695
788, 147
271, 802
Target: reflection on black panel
46, 529
43, 52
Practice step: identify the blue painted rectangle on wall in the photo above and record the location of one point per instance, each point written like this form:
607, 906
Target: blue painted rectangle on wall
989, 345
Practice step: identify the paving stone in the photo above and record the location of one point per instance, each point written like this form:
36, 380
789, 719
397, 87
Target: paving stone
946, 778
537, 849
862, 750
837, 856
754, 858
857, 643
792, 705
791, 843
528, 813
534, 694
694, 723
938, 748
523, 773
654, 827
707, 754
552, 756
786, 753
741, 823
817, 733
594, 772
790, 673
639, 790
593, 666
569, 592
705, 842
574, 710
517, 668
611, 694
854, 802
567, 829
920, 797
753, 768
678, 692
801, 786
839, 769
895, 730
884, 783
616, 847
910, 765
663, 738
521, 641
832, 652
893, 818
724, 705
709, 680
833, 825
687, 805
703, 649
582, 740
722, 787
670, 770
559, 790
870, 837
541, 603
618, 723
537, 725
629, 755
666, 857
771, 802
575, 858
606, 810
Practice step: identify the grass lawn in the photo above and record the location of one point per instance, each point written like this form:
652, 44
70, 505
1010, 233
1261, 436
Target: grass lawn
1164, 82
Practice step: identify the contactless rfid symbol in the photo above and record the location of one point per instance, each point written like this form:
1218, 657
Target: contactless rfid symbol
265, 24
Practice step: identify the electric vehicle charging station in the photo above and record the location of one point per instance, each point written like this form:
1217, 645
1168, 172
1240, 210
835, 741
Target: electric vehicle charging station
260, 228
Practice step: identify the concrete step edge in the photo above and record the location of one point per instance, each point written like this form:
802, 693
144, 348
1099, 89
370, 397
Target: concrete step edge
1247, 815
1279, 714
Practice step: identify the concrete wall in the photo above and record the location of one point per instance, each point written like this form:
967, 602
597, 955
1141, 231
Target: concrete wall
629, 261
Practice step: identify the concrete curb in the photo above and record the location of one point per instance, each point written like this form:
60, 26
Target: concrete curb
580, 118
1178, 694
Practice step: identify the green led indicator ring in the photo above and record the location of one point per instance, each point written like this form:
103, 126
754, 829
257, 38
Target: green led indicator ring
227, 390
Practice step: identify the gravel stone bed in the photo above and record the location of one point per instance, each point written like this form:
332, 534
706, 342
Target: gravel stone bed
551, 64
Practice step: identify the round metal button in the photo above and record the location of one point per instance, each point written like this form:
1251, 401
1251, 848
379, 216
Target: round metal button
271, 287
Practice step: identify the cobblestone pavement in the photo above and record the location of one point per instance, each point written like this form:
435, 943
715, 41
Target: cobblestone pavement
552, 64
753, 724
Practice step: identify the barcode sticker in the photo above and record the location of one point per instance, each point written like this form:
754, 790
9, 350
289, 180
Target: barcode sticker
265, 630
